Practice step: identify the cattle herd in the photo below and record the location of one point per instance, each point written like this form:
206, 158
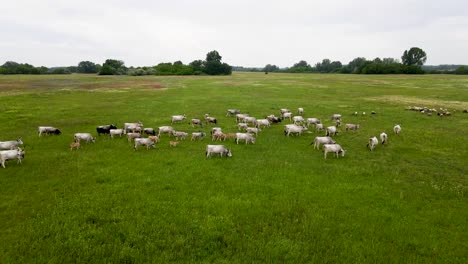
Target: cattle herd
248, 129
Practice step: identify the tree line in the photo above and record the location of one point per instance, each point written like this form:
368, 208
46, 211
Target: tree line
212, 65
412, 62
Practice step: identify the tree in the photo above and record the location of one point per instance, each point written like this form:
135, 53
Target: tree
87, 67
301, 63
461, 70
197, 66
213, 66
113, 67
270, 68
414, 56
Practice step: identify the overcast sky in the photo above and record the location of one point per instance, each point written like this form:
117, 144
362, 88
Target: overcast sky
244, 32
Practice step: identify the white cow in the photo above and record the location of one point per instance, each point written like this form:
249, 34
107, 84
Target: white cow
336, 117
293, 129
300, 110
353, 127
165, 130
131, 126
12, 144
48, 130
114, 132
242, 126
331, 130
148, 142
333, 148
131, 136
217, 149
10, 155
373, 142
263, 122
180, 134
231, 112
250, 119
196, 121
86, 137
247, 137
319, 127
383, 137
253, 130
322, 140
198, 135
177, 118
298, 120
240, 117
397, 129
312, 120
286, 115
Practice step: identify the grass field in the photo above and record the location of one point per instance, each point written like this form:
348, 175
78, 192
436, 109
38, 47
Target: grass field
276, 201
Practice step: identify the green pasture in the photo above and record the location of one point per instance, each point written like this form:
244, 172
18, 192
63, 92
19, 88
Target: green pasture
276, 201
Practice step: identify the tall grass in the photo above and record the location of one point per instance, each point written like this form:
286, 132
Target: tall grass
276, 201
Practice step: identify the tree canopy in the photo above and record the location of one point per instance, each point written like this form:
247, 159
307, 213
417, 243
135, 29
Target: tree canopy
414, 56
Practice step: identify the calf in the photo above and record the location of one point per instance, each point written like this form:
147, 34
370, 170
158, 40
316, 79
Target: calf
217, 149
196, 121
74, 145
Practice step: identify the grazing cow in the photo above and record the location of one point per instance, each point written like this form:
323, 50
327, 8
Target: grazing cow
331, 131
86, 137
217, 149
294, 129
231, 112
149, 131
198, 135
263, 122
196, 121
335, 117
397, 129
338, 123
300, 111
273, 119
210, 119
10, 155
131, 126
48, 130
298, 120
319, 127
250, 120
177, 118
105, 129
286, 115
165, 130
333, 148
322, 140
247, 137
353, 127
215, 129
312, 120
284, 110
131, 136
383, 137
253, 130
179, 134
118, 132
10, 145
373, 142
240, 117
75, 145
242, 126
144, 142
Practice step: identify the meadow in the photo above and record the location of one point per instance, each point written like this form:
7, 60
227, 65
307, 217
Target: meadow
276, 201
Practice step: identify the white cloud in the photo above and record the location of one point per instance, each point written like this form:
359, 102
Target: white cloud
248, 33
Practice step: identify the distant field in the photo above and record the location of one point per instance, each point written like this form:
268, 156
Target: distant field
276, 201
